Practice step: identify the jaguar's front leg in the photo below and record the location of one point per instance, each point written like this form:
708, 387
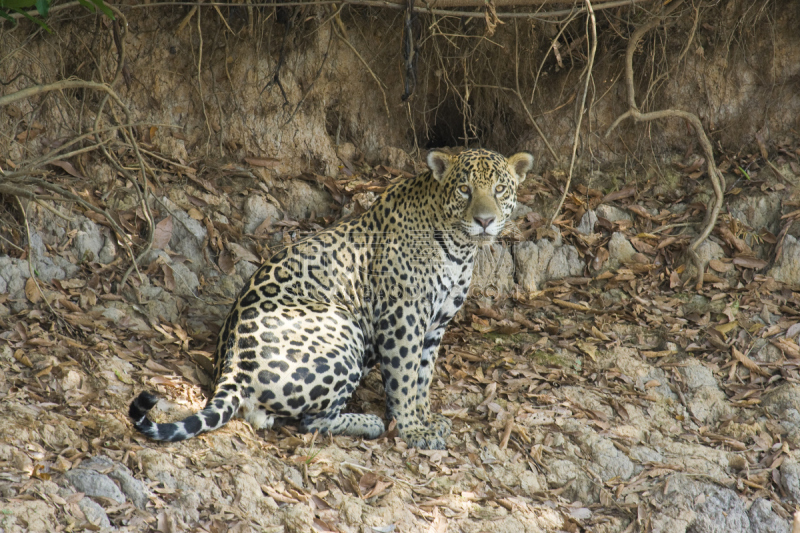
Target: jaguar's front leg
437, 422
401, 352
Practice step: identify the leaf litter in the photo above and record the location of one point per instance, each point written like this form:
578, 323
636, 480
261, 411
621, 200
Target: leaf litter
574, 408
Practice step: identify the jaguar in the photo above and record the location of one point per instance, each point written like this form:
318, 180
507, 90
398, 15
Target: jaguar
377, 289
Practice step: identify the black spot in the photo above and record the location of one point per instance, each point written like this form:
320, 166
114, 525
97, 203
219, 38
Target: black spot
339, 385
296, 403
212, 418
242, 378
266, 377
283, 366
249, 299
327, 380
395, 362
268, 351
288, 389
247, 366
403, 352
266, 396
283, 275
339, 369
299, 374
267, 306
270, 338
389, 344
192, 424
247, 343
270, 289
250, 313
318, 391
230, 387
393, 384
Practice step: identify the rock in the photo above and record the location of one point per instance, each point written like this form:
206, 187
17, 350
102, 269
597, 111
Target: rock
700, 507
346, 151
764, 520
697, 375
520, 210
613, 214
756, 211
782, 399
588, 220
298, 518
709, 250
108, 252
608, 462
619, 250
94, 513
535, 263
33, 516
72, 380
132, 487
92, 483
493, 275
49, 268
186, 282
790, 479
188, 235
301, 199
13, 274
256, 210
787, 266
88, 242
396, 158
564, 473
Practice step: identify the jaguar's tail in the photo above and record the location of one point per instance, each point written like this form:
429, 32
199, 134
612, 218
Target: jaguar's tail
216, 414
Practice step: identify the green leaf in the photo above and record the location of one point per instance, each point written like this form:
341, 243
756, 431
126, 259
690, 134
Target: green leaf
43, 7
93, 5
17, 4
32, 19
87, 5
8, 17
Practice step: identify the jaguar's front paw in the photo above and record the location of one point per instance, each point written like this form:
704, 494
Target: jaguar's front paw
424, 438
440, 424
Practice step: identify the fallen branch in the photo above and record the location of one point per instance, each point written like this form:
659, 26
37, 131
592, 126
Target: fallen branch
633, 112
401, 5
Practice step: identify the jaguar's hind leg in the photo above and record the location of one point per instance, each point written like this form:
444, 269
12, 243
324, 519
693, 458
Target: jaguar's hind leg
336, 423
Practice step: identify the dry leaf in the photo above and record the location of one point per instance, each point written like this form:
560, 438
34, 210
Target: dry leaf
747, 362
750, 262
68, 168
162, 233
719, 266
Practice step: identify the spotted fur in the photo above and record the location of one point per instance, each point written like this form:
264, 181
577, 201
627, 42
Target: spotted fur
379, 288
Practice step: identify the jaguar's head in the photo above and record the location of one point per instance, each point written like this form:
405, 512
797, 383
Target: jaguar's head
480, 189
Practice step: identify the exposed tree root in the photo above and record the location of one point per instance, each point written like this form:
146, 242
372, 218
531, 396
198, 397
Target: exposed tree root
593, 24
633, 112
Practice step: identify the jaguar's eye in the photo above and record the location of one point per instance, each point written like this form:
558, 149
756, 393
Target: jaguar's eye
464, 189
499, 189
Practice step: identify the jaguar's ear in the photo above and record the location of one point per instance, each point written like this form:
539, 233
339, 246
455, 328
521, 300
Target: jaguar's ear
439, 163
521, 163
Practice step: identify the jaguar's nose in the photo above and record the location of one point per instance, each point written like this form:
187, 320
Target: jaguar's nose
484, 221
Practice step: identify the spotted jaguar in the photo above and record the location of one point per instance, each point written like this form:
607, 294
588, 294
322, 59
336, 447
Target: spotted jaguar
377, 289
